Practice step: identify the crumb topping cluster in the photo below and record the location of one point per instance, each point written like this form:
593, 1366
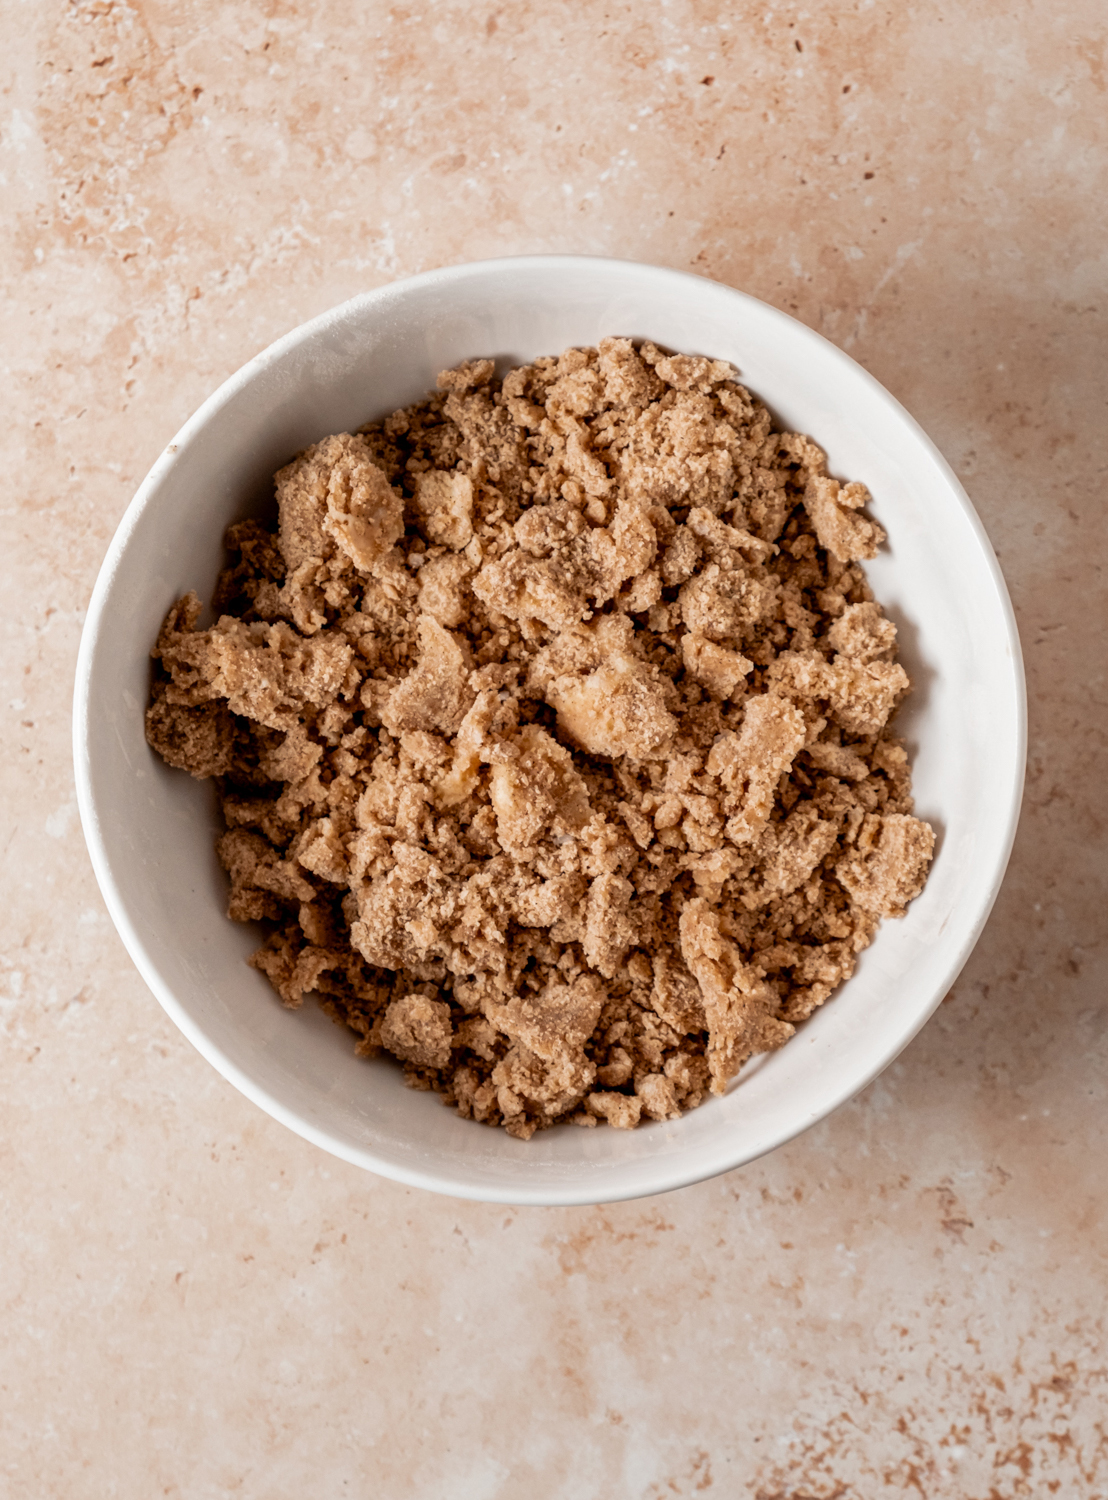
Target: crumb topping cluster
551, 731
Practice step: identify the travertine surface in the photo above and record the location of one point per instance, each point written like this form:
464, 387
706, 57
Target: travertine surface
909, 1300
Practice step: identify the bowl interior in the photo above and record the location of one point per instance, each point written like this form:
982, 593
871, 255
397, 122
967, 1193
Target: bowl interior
151, 830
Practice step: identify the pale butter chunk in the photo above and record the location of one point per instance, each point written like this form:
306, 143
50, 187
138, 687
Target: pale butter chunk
751, 763
738, 1003
618, 709
579, 649
833, 508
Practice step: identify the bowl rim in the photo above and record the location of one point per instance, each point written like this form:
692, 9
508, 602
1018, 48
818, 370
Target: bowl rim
561, 1194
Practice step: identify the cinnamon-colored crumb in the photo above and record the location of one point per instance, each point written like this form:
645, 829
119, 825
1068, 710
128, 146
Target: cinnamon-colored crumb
551, 727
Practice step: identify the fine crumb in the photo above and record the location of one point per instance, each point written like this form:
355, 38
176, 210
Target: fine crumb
551, 729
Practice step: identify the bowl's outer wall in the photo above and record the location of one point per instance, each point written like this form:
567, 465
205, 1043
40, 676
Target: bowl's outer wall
151, 830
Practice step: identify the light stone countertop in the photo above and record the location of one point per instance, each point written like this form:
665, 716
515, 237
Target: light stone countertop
908, 1300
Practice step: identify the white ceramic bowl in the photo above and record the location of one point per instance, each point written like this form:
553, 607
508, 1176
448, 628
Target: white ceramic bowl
151, 830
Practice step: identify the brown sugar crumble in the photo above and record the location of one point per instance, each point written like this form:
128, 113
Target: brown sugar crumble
551, 732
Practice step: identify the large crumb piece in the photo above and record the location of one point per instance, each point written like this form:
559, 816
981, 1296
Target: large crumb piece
749, 764
887, 866
863, 633
741, 1008
418, 1030
535, 791
436, 694
621, 1110
335, 490
833, 509
676, 995
721, 671
199, 740
557, 1021
791, 851
443, 503
551, 725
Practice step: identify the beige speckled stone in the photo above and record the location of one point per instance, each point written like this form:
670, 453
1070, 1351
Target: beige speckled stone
909, 1300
